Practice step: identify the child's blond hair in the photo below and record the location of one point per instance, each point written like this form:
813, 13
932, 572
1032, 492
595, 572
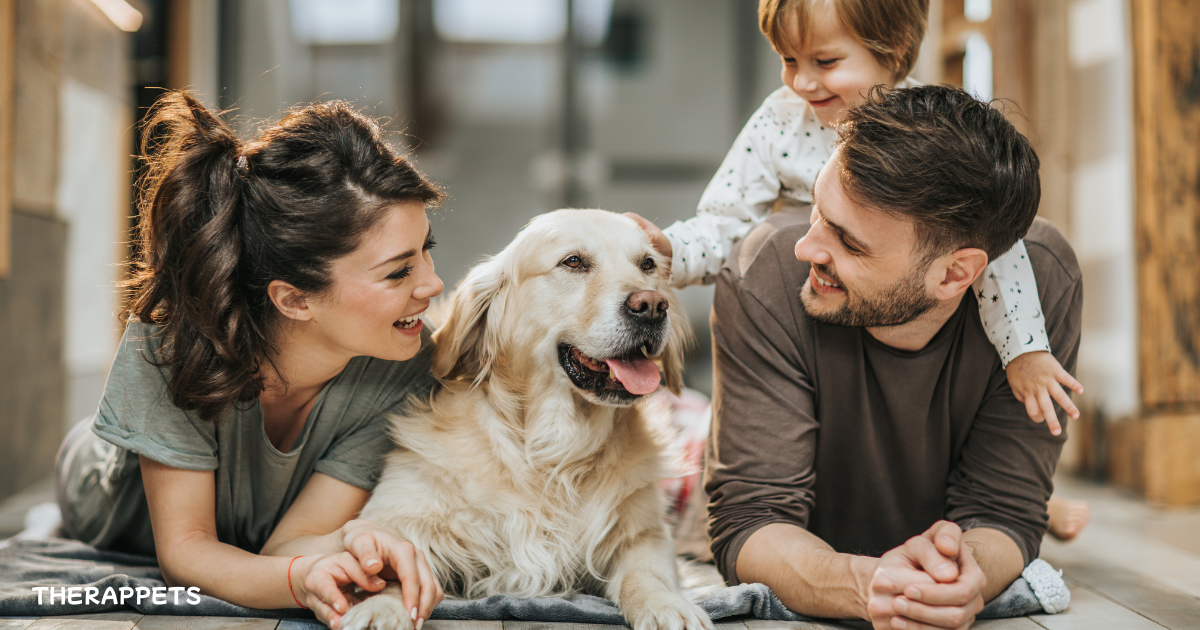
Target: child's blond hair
891, 29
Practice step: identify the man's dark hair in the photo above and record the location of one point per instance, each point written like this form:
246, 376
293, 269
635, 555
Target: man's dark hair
950, 163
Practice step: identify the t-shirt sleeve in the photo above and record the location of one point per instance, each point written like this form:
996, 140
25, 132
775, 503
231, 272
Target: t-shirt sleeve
136, 412
374, 390
762, 397
1004, 477
1012, 317
739, 196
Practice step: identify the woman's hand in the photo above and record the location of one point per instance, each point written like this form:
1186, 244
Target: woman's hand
325, 584
381, 553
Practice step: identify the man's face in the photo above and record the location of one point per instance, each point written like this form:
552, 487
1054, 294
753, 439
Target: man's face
866, 270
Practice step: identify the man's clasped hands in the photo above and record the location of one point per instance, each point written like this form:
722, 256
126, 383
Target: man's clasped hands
931, 581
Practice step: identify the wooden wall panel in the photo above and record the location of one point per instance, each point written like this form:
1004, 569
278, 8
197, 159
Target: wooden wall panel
8, 44
1166, 40
1171, 459
179, 44
1011, 37
1049, 108
1030, 69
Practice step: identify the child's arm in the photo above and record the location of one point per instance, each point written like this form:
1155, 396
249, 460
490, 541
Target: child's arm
740, 195
1012, 317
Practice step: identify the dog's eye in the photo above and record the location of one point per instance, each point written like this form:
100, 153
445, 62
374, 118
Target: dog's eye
573, 262
648, 264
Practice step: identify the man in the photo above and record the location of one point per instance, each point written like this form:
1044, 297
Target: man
868, 458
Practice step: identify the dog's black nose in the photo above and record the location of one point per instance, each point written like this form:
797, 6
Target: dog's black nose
647, 306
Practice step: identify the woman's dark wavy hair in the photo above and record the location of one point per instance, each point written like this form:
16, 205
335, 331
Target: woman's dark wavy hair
220, 219
949, 162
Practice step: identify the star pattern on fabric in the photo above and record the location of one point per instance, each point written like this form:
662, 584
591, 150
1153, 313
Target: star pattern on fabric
777, 155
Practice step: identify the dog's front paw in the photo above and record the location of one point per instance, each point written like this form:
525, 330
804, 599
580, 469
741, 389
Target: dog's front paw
664, 610
381, 612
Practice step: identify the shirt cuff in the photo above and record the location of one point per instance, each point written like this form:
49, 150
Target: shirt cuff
142, 445
679, 271
1032, 337
727, 560
357, 476
1028, 551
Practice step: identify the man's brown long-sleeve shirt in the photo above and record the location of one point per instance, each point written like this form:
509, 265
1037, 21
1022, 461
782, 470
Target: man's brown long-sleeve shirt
862, 444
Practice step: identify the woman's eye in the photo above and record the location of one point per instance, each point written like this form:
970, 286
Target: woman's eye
574, 262
400, 273
648, 264
788, 60
430, 243
825, 63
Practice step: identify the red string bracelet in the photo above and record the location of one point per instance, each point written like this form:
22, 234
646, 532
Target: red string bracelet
290, 583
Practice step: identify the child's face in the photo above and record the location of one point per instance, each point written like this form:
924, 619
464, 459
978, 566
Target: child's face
832, 71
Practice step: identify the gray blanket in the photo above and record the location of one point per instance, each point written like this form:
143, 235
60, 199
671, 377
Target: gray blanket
105, 581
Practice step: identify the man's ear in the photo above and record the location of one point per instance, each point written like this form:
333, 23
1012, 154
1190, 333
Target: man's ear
290, 301
957, 271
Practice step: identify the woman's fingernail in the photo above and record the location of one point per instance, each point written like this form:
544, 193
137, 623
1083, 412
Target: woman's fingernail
413, 614
340, 607
912, 593
371, 563
900, 605
377, 581
899, 622
420, 622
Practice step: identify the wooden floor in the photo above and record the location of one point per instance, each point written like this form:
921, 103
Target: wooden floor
1135, 567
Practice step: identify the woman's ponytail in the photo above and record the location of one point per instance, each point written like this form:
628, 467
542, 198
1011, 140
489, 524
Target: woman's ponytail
191, 246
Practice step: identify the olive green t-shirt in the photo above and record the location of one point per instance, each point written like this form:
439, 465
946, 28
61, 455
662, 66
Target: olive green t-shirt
345, 437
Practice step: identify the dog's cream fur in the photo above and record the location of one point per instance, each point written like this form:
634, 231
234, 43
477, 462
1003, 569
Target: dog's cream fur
514, 481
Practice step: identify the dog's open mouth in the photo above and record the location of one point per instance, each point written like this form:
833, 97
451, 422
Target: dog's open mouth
621, 378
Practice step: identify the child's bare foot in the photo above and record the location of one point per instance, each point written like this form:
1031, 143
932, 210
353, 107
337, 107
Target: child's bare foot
1068, 517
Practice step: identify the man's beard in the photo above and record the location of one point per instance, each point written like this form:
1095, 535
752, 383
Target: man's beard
899, 304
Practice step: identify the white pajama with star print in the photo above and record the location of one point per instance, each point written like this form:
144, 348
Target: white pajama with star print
776, 158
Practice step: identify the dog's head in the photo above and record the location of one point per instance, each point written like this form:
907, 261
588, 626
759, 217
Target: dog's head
579, 294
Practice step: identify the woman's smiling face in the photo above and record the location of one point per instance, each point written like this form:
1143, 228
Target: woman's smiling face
380, 290
833, 71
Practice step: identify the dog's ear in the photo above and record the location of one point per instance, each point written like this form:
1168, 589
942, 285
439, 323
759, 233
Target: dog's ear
464, 346
679, 342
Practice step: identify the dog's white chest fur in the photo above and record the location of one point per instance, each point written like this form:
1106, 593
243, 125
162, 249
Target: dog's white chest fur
534, 471
517, 512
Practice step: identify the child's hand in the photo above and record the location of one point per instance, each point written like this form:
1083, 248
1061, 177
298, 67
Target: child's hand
657, 238
1035, 378
382, 554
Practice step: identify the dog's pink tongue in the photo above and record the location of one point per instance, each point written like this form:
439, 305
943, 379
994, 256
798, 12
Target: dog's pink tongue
639, 376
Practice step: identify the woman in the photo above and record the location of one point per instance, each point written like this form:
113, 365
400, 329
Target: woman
274, 323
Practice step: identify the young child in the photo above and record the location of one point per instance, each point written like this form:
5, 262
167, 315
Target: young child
833, 52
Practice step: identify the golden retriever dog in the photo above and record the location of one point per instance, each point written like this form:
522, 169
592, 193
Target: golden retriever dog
533, 471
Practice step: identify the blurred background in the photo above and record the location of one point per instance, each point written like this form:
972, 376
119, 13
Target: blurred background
522, 106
